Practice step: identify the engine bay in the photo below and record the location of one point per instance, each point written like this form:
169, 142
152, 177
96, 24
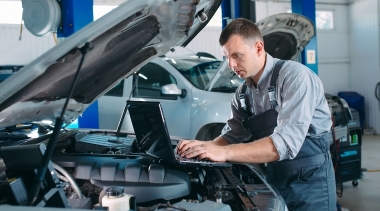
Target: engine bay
87, 163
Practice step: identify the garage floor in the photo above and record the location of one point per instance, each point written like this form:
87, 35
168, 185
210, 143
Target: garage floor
365, 196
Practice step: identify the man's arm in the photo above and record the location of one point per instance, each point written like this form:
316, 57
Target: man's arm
260, 151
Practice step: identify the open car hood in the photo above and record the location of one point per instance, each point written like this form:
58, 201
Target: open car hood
123, 40
285, 36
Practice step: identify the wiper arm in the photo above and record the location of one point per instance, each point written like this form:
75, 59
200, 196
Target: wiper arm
9, 136
15, 128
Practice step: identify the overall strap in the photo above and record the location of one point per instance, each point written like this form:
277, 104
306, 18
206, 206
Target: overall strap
242, 98
272, 87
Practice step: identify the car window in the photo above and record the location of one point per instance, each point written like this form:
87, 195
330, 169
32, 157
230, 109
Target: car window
117, 91
198, 71
149, 81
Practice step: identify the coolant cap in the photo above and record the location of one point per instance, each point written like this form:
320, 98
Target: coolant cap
114, 191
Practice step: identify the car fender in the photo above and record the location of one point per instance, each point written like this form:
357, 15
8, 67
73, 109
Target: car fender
209, 108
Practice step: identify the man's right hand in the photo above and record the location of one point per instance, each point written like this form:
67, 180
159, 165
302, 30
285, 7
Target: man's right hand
185, 145
212, 150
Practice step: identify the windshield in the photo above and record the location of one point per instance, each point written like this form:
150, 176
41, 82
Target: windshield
225, 80
198, 71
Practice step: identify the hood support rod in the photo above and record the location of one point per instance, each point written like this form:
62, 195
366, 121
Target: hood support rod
41, 170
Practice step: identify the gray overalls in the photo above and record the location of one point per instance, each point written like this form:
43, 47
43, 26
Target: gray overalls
306, 182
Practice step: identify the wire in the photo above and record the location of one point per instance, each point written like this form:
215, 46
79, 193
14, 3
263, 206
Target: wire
19, 38
336, 165
55, 38
374, 170
69, 178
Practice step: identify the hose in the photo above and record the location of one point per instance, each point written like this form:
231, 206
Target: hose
377, 91
69, 178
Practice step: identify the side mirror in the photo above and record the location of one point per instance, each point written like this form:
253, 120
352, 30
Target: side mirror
172, 90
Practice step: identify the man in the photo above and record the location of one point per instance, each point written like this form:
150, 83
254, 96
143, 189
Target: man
294, 143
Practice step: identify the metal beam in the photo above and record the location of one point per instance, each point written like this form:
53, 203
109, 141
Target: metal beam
75, 15
309, 54
232, 9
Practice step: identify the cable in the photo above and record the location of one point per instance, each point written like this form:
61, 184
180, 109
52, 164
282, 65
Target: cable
377, 91
55, 37
69, 178
336, 166
374, 170
19, 38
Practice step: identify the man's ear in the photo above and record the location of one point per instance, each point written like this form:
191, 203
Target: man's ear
259, 45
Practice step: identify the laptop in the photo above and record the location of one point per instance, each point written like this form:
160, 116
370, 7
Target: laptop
152, 135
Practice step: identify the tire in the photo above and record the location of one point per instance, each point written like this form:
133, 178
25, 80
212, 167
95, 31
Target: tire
215, 131
355, 183
209, 132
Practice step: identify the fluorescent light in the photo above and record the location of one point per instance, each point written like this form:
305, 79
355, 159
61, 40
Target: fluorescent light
142, 76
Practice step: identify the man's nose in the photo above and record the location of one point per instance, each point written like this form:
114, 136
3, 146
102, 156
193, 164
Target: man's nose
231, 63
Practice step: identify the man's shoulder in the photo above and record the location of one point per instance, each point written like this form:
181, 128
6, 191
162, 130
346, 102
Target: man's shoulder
295, 68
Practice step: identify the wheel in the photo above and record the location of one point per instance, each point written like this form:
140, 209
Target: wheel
355, 183
209, 132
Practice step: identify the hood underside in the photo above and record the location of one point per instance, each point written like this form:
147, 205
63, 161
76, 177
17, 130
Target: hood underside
123, 40
285, 35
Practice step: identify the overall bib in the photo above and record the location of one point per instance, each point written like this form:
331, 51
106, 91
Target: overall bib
306, 182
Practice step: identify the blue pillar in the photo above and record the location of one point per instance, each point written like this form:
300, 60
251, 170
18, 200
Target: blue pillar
75, 15
232, 9
237, 11
309, 54
226, 12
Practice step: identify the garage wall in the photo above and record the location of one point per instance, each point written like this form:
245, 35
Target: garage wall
20, 52
207, 41
333, 45
364, 55
333, 51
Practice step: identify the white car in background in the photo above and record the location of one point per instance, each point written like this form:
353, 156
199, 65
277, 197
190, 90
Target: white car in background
195, 90
191, 109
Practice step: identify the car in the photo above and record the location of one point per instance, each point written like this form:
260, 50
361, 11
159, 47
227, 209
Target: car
196, 89
45, 164
191, 110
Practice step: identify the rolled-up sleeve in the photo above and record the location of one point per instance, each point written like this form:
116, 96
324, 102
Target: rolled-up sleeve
299, 92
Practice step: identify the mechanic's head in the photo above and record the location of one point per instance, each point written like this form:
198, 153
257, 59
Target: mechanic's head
243, 46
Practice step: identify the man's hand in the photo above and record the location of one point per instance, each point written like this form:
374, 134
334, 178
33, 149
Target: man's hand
210, 150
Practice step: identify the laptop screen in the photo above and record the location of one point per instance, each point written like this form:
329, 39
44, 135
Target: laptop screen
150, 129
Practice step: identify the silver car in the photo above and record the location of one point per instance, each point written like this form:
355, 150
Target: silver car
195, 90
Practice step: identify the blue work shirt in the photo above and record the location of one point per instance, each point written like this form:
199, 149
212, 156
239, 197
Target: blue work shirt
302, 107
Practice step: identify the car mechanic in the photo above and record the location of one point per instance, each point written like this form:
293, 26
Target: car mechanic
280, 117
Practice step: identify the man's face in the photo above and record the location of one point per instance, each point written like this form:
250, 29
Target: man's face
244, 59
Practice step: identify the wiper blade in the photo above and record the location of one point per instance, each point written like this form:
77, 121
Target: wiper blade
224, 89
9, 136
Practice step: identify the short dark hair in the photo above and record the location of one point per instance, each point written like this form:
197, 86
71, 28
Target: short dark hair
242, 27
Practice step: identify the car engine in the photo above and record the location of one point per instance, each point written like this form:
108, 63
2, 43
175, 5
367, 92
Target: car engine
86, 164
